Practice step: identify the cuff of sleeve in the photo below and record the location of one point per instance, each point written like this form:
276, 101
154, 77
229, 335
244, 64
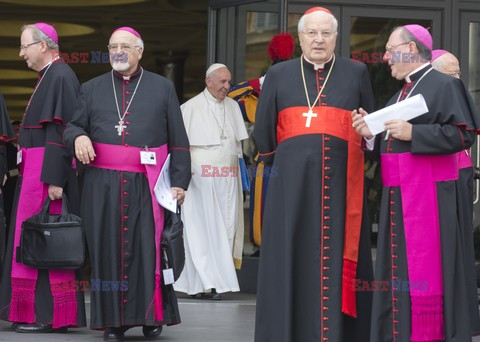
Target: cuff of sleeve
370, 143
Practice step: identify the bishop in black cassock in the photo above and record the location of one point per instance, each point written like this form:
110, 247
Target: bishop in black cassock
124, 113
315, 238
421, 243
42, 300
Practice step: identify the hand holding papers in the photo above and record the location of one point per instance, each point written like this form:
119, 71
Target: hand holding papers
406, 110
162, 189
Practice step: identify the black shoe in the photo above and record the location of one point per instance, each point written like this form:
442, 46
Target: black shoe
37, 328
115, 334
151, 332
14, 325
211, 295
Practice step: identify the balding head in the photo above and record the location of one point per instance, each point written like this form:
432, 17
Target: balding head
447, 64
126, 50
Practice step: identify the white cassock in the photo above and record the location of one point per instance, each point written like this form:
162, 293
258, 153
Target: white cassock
213, 209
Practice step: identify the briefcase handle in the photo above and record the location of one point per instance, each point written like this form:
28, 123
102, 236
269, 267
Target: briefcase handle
65, 206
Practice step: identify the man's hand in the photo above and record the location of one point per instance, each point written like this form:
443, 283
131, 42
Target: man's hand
84, 149
54, 192
179, 194
359, 124
399, 129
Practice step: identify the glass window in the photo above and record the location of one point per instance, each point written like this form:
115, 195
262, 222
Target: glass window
368, 37
261, 27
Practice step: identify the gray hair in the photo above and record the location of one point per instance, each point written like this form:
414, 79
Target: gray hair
407, 36
39, 36
140, 43
301, 22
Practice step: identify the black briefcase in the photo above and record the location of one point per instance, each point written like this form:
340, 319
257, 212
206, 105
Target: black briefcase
53, 241
173, 249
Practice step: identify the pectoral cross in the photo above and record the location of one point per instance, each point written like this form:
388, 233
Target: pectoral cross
120, 127
309, 115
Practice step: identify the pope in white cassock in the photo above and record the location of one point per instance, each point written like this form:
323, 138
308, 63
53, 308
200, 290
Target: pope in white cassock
213, 209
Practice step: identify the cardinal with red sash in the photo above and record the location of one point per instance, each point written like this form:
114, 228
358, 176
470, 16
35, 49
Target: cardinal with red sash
315, 239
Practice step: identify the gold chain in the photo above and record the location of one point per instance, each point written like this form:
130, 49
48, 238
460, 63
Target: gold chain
324, 83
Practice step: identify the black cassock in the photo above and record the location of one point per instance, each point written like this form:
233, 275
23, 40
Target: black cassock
50, 108
122, 248
448, 127
299, 294
6, 134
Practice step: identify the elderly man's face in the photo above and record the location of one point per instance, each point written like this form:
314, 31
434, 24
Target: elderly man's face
318, 37
32, 51
124, 52
218, 83
395, 49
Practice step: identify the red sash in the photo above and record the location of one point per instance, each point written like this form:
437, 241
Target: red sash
336, 122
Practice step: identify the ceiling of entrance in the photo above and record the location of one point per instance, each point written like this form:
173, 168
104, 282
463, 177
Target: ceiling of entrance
172, 30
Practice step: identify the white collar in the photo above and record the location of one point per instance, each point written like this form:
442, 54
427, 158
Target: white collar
407, 78
210, 97
318, 66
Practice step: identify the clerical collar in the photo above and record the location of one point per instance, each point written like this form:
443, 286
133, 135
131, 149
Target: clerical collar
417, 73
135, 75
47, 66
210, 97
318, 66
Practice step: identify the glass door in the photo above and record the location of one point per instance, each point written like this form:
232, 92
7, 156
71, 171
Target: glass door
470, 66
367, 32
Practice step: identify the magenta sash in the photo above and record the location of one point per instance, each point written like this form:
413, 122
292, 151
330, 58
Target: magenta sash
464, 159
416, 175
24, 279
127, 158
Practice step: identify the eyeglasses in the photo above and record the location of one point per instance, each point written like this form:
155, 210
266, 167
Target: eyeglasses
389, 48
314, 34
123, 47
25, 46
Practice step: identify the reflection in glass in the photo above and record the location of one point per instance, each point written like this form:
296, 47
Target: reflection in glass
473, 62
474, 89
261, 27
368, 37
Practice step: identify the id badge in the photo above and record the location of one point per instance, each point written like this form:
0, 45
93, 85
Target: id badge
148, 158
168, 276
19, 157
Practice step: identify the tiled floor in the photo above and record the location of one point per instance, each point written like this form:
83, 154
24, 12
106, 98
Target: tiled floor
229, 320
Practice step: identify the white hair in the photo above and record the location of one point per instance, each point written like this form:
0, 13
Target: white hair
301, 22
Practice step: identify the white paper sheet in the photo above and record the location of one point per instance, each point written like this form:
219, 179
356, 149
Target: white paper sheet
407, 109
162, 189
